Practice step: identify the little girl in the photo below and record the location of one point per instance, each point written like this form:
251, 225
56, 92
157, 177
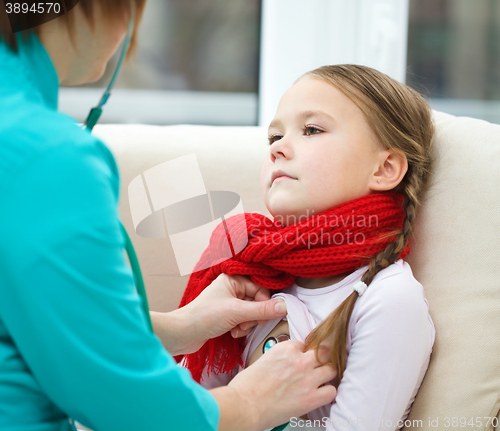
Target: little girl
348, 163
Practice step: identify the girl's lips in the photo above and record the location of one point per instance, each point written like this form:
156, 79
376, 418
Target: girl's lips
280, 175
282, 178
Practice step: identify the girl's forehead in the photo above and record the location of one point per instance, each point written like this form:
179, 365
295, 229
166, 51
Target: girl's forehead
313, 95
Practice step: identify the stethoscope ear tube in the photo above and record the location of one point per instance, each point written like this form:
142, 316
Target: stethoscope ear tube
93, 118
96, 112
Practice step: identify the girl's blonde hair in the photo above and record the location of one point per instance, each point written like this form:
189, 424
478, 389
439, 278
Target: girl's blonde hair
402, 121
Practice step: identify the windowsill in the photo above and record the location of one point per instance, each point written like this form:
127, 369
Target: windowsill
162, 107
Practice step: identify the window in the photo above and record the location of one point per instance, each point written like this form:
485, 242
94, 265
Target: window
453, 55
197, 62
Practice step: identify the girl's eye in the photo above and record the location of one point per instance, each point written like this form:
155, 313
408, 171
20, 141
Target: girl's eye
274, 138
310, 130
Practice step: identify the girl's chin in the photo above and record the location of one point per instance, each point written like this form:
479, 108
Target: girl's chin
288, 214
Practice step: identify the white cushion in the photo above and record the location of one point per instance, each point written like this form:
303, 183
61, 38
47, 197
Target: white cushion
455, 254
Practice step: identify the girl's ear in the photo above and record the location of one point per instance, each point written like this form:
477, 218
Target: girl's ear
392, 167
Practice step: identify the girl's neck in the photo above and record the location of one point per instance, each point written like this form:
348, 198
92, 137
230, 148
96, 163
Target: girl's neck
315, 283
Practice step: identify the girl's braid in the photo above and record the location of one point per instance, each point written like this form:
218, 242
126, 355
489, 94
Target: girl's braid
391, 253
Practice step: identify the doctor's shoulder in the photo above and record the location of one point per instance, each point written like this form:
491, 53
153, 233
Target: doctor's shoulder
37, 135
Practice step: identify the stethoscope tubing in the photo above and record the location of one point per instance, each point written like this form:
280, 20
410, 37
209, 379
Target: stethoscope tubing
92, 120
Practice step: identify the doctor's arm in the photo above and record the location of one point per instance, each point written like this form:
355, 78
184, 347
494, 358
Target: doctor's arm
72, 309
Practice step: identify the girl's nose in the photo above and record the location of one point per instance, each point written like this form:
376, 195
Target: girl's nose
280, 149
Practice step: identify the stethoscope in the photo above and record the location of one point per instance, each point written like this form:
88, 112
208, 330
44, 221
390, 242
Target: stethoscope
91, 121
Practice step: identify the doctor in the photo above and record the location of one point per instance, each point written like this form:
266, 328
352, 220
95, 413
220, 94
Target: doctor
74, 342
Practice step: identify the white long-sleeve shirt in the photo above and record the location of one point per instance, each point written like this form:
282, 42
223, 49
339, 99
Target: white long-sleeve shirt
389, 344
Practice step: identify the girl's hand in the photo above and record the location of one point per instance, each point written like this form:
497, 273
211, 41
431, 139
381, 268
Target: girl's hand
285, 382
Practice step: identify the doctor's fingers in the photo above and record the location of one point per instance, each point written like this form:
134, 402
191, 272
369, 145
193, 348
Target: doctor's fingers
248, 290
324, 374
322, 354
243, 329
324, 394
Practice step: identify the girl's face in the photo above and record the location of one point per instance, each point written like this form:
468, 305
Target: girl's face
322, 153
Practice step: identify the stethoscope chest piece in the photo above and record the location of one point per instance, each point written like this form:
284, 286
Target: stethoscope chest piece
272, 341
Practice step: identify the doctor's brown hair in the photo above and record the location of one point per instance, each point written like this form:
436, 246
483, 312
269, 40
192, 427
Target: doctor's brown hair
402, 121
112, 10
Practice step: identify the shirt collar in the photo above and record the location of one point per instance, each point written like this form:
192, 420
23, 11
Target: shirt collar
40, 69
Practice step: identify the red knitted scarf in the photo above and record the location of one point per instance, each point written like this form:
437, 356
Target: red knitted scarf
341, 239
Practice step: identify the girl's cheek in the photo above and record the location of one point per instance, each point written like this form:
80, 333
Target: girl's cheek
264, 172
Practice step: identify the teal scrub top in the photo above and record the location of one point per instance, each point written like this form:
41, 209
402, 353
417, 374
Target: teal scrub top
74, 342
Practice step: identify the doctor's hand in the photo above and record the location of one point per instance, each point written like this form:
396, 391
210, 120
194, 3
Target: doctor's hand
236, 304
285, 382
230, 303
